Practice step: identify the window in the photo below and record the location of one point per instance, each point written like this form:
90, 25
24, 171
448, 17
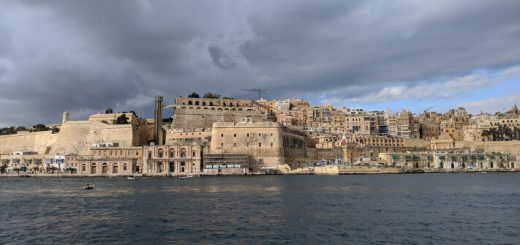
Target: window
160, 153
247, 135
221, 144
125, 166
235, 135
235, 144
221, 135
271, 144
259, 144
194, 153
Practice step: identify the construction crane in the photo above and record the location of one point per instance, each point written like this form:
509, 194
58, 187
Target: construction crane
260, 91
427, 109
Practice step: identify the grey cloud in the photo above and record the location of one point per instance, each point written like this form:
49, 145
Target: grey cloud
220, 59
84, 56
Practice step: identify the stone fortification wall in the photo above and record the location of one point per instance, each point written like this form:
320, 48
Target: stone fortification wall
77, 137
511, 147
39, 142
187, 118
262, 141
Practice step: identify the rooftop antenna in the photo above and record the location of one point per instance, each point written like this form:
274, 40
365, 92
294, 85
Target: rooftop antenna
260, 91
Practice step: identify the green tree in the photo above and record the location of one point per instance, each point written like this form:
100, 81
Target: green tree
193, 95
122, 119
40, 127
212, 95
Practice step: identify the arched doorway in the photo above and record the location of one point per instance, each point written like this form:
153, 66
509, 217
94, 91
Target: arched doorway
491, 165
512, 165
183, 167
159, 167
441, 165
104, 168
463, 165
171, 167
115, 168
416, 165
93, 168
452, 165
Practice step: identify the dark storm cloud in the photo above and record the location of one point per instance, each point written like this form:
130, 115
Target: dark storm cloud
220, 59
84, 56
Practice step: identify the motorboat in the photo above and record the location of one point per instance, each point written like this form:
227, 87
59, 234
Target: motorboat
186, 176
130, 178
89, 187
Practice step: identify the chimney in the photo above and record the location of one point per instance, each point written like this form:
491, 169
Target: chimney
158, 120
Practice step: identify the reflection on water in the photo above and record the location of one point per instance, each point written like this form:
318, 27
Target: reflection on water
423, 208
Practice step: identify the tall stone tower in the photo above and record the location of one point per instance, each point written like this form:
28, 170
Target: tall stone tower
65, 117
158, 120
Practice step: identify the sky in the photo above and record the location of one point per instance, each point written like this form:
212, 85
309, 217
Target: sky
86, 56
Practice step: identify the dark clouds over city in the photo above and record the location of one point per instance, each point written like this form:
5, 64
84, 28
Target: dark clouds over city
85, 56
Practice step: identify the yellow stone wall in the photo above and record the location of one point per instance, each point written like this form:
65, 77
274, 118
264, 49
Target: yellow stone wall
39, 142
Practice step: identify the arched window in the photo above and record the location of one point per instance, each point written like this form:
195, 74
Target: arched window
183, 167
160, 153
125, 166
190, 102
83, 167
194, 153
104, 168
171, 153
452, 166
183, 152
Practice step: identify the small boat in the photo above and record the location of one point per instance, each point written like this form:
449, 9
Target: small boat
89, 187
186, 176
130, 178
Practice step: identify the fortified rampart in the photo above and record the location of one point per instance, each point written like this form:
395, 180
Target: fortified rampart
193, 113
511, 147
77, 137
262, 141
39, 142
